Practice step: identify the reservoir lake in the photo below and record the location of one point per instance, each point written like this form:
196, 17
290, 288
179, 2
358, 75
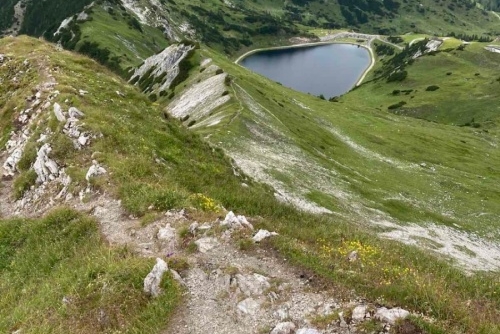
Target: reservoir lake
329, 69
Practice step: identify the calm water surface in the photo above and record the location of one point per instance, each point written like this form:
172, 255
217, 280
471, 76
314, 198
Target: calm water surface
331, 69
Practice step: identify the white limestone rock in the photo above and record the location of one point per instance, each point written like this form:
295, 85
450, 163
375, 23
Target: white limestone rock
75, 113
206, 244
58, 112
168, 237
359, 312
45, 168
262, 234
391, 315
248, 306
252, 285
166, 62
153, 279
95, 170
236, 222
308, 331
284, 328
200, 99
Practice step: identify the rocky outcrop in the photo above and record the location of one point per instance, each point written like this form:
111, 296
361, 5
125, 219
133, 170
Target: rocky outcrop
45, 168
163, 66
201, 98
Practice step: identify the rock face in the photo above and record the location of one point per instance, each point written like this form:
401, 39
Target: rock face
201, 98
153, 279
164, 64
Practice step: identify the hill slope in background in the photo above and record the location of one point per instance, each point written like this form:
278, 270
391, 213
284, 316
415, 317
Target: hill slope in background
410, 155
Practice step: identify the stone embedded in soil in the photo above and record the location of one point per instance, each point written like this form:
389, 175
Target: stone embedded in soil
359, 312
263, 234
284, 328
391, 315
249, 306
153, 279
206, 244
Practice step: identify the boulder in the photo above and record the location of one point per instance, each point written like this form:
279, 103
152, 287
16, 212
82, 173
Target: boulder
153, 279
262, 234
391, 315
284, 328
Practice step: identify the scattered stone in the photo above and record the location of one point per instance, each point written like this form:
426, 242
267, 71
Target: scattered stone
2, 58
308, 331
236, 222
281, 314
95, 170
58, 112
353, 256
359, 312
153, 279
206, 244
262, 234
75, 113
423, 165
248, 306
193, 227
82, 92
391, 315
284, 328
120, 93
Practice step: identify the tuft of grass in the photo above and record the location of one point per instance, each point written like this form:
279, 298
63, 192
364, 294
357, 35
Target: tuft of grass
23, 183
72, 282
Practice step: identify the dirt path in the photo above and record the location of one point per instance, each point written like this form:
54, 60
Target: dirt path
228, 290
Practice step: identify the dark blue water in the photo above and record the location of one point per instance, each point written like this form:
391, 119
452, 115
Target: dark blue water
331, 69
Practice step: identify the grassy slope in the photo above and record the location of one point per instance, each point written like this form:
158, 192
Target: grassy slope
397, 274
468, 81
464, 184
62, 256
112, 31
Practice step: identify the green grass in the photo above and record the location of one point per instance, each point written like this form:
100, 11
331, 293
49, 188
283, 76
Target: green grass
130, 45
149, 158
57, 276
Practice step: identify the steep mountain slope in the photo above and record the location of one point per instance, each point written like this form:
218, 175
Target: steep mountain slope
57, 108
